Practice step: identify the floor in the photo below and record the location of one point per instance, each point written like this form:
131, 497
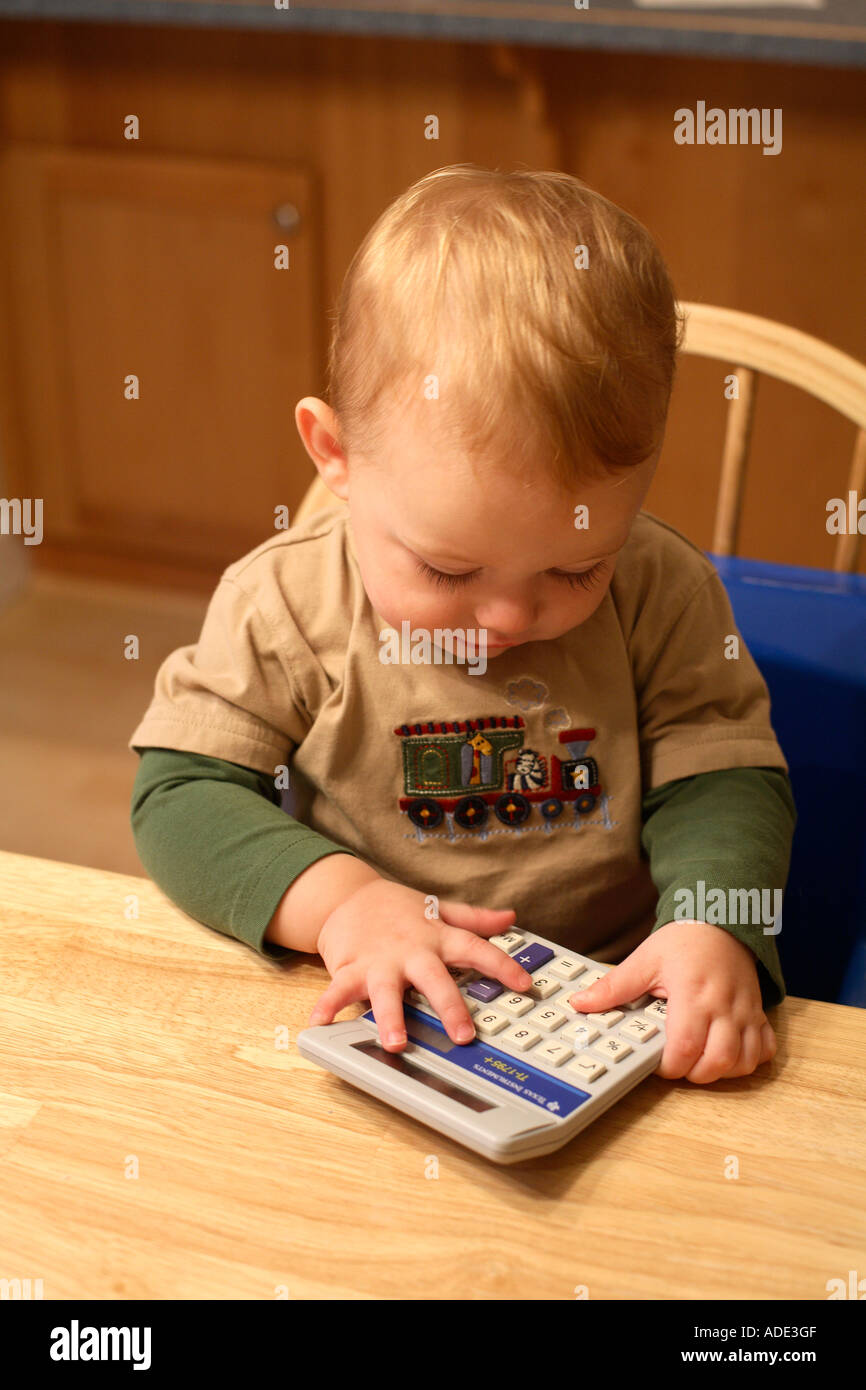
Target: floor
69, 701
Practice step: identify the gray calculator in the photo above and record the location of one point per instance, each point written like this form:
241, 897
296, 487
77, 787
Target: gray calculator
536, 1073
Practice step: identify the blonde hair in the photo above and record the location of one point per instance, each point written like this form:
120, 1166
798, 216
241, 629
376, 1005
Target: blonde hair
470, 276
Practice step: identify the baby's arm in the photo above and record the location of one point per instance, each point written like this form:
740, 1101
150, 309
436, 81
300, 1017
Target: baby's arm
716, 1025
311, 898
732, 830
376, 936
212, 835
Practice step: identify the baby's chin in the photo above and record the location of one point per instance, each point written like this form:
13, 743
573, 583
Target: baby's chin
472, 635
475, 638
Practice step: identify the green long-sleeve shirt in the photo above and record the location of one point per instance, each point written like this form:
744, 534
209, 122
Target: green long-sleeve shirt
213, 837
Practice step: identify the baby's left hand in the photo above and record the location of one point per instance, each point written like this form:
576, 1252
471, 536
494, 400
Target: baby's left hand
715, 1024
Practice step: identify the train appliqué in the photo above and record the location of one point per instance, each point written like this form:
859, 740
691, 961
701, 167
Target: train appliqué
467, 767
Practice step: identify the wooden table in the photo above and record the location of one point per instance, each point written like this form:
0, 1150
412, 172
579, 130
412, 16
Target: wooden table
160, 1138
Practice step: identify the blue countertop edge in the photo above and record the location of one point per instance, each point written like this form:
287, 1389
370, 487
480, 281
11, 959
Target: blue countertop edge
660, 40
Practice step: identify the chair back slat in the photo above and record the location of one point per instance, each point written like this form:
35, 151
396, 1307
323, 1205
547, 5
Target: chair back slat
775, 349
848, 544
738, 439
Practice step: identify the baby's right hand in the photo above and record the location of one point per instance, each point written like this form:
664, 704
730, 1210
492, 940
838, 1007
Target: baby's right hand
379, 941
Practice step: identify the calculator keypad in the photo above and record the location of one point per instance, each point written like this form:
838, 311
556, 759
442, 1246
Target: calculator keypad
540, 1027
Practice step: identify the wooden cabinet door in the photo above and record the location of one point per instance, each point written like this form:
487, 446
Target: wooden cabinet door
129, 264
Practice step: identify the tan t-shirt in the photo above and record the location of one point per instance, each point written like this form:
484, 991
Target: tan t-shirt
519, 787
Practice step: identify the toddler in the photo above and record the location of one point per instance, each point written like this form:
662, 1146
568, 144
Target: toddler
603, 770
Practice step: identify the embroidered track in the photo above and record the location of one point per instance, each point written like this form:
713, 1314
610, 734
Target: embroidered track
603, 820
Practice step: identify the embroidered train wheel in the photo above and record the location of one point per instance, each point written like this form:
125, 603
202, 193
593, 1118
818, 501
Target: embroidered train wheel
585, 803
470, 812
512, 808
551, 808
425, 812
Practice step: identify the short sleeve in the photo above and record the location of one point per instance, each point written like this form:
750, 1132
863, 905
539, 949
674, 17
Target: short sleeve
232, 695
703, 705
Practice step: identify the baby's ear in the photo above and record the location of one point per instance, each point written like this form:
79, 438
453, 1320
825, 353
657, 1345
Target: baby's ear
320, 435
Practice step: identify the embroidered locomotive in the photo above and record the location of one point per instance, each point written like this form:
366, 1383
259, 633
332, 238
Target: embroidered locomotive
460, 766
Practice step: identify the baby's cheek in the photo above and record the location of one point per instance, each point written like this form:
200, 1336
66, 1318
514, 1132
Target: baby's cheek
399, 601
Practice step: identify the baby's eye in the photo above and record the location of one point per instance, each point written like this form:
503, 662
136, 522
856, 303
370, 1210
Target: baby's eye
445, 581
586, 579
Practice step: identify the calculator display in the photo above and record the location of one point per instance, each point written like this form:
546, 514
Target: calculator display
436, 1083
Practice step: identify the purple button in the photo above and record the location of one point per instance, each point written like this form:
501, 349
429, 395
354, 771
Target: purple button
485, 990
533, 956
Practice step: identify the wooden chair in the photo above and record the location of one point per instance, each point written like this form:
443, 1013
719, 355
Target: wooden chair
752, 345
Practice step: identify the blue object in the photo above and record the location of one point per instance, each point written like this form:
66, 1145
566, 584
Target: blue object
806, 630
482, 1058
485, 990
533, 957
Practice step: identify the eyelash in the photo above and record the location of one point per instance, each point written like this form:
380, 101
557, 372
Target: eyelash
586, 580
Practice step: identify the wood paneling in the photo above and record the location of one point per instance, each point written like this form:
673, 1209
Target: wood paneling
125, 264
774, 235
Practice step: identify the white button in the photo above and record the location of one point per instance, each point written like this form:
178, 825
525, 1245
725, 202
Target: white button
638, 1028
589, 1068
459, 973
509, 942
548, 1018
543, 986
580, 1034
636, 1003
519, 1037
592, 977
488, 1021
607, 1019
420, 1000
554, 1053
517, 1004
614, 1048
564, 968
658, 1009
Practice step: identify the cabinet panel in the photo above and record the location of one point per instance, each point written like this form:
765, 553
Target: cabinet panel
162, 268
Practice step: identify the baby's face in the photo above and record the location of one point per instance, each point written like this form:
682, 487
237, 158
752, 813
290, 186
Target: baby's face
441, 547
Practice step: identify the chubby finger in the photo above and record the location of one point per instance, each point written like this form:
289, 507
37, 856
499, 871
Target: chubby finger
769, 1046
444, 996
750, 1051
462, 948
685, 1035
345, 988
620, 985
486, 921
386, 1001
721, 1052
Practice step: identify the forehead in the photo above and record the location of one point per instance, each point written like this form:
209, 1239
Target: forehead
443, 507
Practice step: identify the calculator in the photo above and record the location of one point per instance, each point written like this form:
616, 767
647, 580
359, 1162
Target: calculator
536, 1073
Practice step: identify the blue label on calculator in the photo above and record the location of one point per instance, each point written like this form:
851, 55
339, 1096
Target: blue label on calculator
553, 1095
